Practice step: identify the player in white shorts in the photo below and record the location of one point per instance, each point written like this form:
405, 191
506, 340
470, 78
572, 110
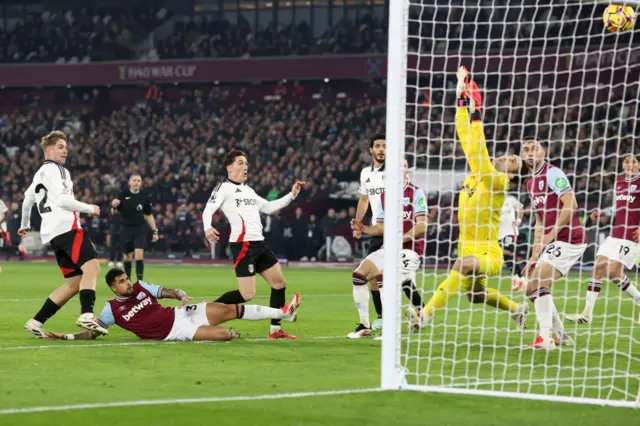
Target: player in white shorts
136, 309
413, 225
621, 248
559, 242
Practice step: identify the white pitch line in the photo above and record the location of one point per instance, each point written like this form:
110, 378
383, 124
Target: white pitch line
412, 339
149, 343
183, 401
488, 382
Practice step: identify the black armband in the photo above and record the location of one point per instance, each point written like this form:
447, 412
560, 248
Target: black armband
475, 116
463, 102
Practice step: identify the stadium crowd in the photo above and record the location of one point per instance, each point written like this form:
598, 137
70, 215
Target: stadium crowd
78, 35
178, 148
112, 33
211, 38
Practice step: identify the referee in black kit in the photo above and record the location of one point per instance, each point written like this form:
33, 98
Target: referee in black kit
134, 209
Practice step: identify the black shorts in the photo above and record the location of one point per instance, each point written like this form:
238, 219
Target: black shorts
133, 237
73, 249
374, 244
251, 257
508, 243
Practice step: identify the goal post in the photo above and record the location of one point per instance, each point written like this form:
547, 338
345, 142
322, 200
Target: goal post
392, 375
547, 70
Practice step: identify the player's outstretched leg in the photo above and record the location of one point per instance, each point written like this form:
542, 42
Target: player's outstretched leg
445, 291
479, 293
52, 305
218, 313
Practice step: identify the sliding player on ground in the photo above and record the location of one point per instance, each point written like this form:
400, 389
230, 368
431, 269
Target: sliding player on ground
621, 248
52, 191
479, 204
559, 242
242, 207
414, 225
136, 309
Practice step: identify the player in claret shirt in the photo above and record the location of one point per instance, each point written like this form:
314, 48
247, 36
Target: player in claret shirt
559, 242
136, 309
621, 248
242, 207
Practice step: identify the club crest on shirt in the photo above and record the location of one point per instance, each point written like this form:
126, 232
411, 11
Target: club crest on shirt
139, 207
65, 187
540, 185
406, 201
140, 296
121, 308
633, 188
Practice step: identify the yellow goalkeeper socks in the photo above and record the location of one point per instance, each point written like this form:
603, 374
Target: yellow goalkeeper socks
499, 300
446, 290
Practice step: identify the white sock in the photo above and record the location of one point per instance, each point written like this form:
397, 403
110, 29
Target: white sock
274, 329
544, 313
592, 295
257, 312
630, 289
557, 324
361, 298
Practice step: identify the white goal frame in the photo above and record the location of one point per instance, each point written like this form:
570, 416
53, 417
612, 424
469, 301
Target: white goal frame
392, 372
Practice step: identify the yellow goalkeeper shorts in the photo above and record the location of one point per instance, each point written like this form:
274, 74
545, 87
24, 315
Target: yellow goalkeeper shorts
489, 256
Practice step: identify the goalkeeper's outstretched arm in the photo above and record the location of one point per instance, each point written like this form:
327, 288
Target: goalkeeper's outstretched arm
471, 134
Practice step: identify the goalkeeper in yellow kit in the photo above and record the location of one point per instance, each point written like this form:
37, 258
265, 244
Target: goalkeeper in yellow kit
479, 206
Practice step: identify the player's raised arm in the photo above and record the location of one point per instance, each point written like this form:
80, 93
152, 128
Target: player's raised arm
27, 206
471, 134
269, 207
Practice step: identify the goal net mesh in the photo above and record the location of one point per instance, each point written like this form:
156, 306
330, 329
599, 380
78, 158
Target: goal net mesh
549, 71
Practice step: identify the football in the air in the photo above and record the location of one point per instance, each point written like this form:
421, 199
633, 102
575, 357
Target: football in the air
619, 18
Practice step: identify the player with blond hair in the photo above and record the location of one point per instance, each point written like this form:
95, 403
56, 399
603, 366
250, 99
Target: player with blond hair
52, 191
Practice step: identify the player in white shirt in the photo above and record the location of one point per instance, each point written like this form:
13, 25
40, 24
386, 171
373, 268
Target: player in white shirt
371, 189
242, 207
510, 219
52, 191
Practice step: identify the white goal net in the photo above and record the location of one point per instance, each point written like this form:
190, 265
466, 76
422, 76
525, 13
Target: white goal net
547, 70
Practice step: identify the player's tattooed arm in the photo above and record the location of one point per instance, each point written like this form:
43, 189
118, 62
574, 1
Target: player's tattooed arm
84, 335
172, 293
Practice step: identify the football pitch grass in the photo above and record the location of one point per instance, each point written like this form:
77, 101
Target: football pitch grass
247, 381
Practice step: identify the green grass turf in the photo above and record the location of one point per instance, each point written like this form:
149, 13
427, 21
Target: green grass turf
484, 349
